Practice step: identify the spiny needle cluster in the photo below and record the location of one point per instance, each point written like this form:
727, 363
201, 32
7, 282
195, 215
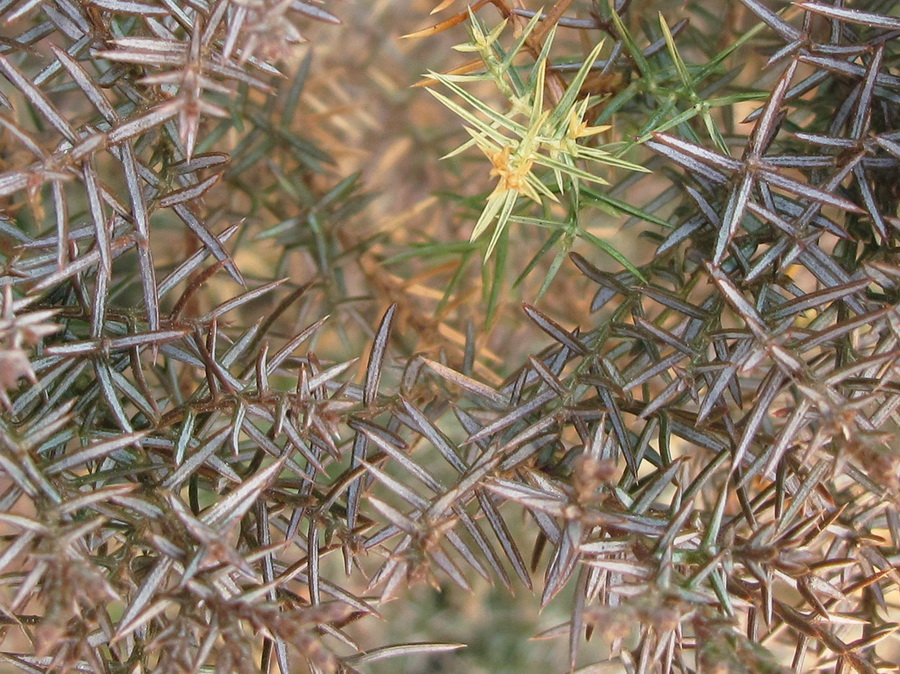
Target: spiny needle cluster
704, 470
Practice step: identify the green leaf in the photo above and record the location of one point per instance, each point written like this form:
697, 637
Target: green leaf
612, 252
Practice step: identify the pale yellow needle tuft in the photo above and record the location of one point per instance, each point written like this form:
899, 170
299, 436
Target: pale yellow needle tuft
534, 152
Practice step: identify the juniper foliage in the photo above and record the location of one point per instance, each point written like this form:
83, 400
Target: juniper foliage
194, 478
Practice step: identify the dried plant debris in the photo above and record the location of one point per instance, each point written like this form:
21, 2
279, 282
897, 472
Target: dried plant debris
214, 457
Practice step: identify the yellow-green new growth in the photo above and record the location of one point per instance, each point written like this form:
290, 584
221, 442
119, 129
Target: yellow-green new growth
551, 139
